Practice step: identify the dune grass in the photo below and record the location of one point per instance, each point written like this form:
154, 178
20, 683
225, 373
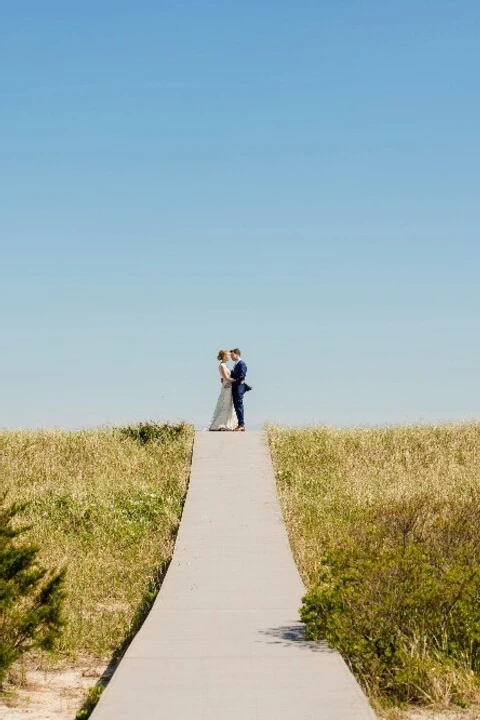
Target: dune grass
384, 525
106, 505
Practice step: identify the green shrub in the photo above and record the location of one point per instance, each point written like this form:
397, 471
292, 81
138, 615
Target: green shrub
399, 597
90, 703
148, 432
30, 596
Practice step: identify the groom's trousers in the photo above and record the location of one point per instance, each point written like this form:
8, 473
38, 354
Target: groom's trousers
238, 391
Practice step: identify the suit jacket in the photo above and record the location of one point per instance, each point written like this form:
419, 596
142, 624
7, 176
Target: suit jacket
239, 373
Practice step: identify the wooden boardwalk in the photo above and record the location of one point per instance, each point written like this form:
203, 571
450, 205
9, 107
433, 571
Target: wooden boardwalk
223, 640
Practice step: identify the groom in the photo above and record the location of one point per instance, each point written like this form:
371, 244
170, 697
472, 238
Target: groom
239, 373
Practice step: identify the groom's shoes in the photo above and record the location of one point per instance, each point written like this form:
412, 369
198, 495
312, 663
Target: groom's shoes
240, 428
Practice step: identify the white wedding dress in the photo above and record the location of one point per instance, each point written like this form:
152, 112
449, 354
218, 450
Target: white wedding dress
224, 417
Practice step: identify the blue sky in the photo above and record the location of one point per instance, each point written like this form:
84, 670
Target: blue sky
299, 179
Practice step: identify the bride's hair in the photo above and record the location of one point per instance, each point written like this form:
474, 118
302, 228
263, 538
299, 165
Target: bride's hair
222, 355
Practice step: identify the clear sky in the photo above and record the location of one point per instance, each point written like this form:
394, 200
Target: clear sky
300, 179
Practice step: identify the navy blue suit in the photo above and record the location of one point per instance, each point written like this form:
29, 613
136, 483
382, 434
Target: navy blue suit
239, 373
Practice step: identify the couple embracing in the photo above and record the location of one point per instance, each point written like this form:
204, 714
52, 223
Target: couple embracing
229, 413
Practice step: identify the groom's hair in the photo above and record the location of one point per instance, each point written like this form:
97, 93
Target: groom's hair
236, 351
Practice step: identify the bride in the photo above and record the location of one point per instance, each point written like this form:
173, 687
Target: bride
224, 417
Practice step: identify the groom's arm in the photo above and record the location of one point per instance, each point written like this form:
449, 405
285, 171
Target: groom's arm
241, 369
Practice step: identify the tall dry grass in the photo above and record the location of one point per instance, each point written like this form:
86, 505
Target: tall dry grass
106, 507
325, 474
384, 525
